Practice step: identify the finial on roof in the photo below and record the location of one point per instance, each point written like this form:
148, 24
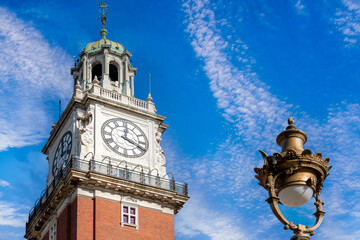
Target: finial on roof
291, 120
96, 80
78, 86
291, 123
103, 31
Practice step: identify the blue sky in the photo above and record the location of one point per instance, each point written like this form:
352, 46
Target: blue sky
227, 74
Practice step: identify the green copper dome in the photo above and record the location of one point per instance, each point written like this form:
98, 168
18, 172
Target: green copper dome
95, 47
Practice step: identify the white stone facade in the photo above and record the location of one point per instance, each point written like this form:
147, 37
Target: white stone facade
94, 102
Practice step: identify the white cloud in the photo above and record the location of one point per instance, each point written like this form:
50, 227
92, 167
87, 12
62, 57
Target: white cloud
12, 214
258, 116
245, 101
300, 7
4, 183
196, 218
31, 69
11, 234
347, 20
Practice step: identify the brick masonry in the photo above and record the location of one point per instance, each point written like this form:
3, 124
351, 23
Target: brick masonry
100, 219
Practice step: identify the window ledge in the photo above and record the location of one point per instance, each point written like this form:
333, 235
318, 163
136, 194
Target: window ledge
130, 225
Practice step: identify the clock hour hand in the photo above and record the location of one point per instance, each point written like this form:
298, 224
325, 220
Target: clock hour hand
126, 130
134, 143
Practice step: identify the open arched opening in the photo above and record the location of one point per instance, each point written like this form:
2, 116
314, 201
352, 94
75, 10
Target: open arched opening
96, 71
114, 74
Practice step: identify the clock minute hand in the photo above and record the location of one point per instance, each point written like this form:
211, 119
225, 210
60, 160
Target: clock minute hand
134, 143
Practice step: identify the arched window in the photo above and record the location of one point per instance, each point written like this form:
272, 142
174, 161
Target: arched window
114, 74
96, 71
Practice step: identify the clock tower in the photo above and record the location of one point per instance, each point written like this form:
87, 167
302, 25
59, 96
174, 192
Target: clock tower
107, 171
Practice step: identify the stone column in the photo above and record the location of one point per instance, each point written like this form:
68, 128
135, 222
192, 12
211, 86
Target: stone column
127, 85
106, 62
84, 75
106, 80
121, 77
132, 86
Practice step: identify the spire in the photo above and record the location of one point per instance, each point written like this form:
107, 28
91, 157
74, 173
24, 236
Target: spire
149, 98
103, 31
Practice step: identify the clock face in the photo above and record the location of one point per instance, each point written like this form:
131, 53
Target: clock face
62, 152
124, 137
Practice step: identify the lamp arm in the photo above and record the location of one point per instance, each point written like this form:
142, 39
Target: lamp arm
273, 200
319, 214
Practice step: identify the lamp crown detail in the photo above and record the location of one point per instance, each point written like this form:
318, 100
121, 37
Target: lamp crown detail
291, 138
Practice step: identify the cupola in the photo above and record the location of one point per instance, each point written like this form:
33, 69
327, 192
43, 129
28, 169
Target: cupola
106, 60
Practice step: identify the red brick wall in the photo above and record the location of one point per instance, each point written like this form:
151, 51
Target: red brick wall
62, 224
46, 236
89, 219
85, 220
152, 224
73, 219
66, 222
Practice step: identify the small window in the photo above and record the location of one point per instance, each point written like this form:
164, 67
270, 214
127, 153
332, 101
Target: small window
52, 232
97, 71
113, 73
129, 215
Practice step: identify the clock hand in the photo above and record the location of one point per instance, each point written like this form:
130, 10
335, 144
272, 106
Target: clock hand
126, 129
134, 143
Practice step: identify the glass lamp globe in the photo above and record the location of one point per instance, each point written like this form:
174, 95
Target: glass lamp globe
296, 195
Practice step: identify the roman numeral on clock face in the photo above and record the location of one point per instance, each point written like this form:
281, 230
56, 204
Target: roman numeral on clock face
124, 137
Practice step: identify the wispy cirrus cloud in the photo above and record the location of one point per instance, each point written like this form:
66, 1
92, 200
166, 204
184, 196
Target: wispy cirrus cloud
30, 68
245, 100
4, 183
12, 214
299, 7
196, 219
347, 20
257, 116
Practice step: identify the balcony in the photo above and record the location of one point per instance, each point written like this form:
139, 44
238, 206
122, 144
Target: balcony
135, 175
98, 91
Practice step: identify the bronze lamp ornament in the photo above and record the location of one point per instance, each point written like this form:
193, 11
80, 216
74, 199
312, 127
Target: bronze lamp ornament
293, 177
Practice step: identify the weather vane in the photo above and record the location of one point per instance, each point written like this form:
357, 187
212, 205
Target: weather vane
103, 18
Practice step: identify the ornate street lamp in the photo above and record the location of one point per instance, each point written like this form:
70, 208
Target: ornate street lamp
293, 177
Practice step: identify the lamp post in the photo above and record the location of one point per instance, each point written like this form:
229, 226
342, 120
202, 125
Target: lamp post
293, 177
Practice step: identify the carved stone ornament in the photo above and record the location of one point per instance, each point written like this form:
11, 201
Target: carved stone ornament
83, 121
87, 138
159, 153
130, 199
86, 130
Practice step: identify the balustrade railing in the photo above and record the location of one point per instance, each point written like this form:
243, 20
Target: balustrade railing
123, 98
110, 94
138, 103
106, 169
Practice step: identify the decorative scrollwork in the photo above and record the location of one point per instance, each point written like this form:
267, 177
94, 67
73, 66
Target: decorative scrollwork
318, 156
278, 156
292, 169
306, 153
260, 175
290, 154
